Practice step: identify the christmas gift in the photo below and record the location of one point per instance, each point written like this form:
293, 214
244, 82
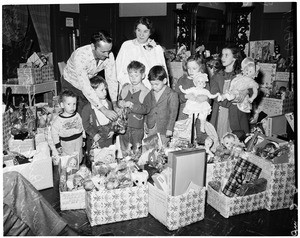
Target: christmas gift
29, 75
108, 206
243, 172
47, 73
281, 182
71, 184
230, 206
275, 106
177, 211
6, 127
40, 178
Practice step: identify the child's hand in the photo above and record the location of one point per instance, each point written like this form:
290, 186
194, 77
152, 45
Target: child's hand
110, 134
128, 104
118, 110
96, 137
121, 103
169, 133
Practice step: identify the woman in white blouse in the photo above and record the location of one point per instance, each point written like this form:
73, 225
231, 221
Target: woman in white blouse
142, 49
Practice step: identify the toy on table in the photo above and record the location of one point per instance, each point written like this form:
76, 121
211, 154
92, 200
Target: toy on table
241, 83
203, 109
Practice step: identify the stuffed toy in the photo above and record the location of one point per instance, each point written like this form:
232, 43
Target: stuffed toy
140, 178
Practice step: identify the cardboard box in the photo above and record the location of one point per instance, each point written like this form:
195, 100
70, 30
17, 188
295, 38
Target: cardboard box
71, 200
281, 182
29, 75
108, 206
47, 73
187, 165
39, 172
6, 129
177, 211
21, 146
275, 107
236, 205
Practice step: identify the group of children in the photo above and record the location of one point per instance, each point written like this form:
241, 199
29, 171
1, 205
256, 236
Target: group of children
148, 111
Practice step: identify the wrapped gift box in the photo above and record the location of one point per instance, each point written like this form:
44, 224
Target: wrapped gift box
72, 200
177, 211
29, 75
6, 128
230, 206
39, 172
108, 206
47, 73
219, 170
274, 106
281, 182
176, 71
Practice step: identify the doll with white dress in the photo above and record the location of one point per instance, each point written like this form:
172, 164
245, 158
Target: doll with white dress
203, 109
241, 83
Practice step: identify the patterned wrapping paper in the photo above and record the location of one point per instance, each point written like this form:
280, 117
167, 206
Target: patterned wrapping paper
29, 76
115, 205
281, 182
177, 211
243, 172
236, 205
219, 170
275, 107
6, 128
47, 73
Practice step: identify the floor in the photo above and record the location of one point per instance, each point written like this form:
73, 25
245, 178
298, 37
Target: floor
258, 223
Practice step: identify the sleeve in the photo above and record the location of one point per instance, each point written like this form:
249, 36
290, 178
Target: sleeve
181, 95
121, 64
173, 110
143, 108
89, 128
84, 82
214, 88
111, 77
55, 128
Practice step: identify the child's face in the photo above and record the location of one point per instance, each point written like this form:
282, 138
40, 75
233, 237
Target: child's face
158, 85
69, 105
72, 163
101, 91
135, 76
228, 142
227, 58
192, 68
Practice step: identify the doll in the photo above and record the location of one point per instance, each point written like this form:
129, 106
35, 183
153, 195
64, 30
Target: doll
226, 149
241, 83
208, 144
203, 109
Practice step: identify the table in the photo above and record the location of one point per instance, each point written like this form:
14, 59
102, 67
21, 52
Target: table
32, 89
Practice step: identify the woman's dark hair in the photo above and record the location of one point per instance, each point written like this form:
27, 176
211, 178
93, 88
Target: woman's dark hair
237, 54
199, 59
101, 36
157, 72
145, 21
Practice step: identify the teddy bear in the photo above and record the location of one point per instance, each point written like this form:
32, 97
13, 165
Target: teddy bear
140, 178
